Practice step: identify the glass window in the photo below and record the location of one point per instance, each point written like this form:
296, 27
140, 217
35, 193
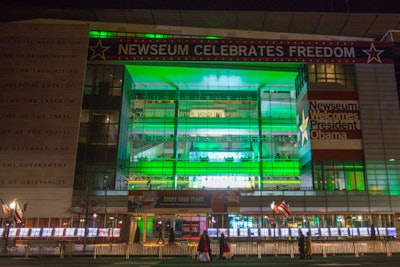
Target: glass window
215, 141
338, 175
342, 74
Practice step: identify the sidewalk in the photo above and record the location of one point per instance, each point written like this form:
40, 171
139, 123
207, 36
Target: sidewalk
251, 261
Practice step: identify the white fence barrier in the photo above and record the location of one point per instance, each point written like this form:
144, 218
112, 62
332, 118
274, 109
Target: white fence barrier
258, 249
189, 249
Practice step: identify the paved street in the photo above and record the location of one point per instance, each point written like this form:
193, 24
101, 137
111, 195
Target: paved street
366, 260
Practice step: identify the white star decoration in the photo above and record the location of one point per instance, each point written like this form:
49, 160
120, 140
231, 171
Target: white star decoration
99, 50
303, 128
373, 53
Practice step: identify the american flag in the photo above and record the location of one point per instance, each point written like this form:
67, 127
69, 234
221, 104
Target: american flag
274, 207
18, 214
284, 208
6, 208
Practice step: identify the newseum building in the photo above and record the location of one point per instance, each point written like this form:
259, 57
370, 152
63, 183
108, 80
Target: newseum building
115, 127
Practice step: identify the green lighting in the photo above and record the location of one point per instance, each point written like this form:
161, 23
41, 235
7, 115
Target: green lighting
102, 34
155, 36
149, 225
213, 37
217, 128
149, 35
107, 34
355, 180
185, 168
192, 78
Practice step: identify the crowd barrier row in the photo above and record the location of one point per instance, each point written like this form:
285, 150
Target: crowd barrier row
258, 249
185, 248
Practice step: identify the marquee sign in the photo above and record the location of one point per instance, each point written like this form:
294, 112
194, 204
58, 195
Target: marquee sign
212, 201
240, 50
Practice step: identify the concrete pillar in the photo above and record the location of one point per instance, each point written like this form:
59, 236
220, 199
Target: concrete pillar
144, 228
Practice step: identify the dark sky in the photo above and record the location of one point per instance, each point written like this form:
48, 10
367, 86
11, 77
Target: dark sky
340, 6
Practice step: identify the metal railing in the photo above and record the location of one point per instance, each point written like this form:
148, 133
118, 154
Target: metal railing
189, 249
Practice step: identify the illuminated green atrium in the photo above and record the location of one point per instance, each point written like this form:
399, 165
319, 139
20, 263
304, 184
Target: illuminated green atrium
213, 126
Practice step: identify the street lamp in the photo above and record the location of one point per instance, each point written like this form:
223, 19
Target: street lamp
12, 205
94, 219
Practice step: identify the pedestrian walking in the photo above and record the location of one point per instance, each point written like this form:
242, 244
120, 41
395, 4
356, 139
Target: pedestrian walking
308, 246
222, 245
301, 243
208, 244
171, 239
160, 235
203, 248
224, 248
373, 233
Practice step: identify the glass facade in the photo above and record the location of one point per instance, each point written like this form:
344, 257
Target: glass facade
177, 127
99, 128
335, 174
188, 227
339, 175
220, 137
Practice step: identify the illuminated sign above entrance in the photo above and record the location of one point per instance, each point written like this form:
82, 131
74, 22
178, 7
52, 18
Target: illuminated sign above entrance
240, 50
207, 113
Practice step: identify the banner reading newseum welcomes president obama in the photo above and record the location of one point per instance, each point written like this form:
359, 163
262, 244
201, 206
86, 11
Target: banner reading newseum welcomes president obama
240, 50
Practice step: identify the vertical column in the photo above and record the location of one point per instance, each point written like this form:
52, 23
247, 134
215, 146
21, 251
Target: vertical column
260, 152
176, 121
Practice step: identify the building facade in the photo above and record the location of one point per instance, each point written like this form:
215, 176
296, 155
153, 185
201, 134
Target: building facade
137, 129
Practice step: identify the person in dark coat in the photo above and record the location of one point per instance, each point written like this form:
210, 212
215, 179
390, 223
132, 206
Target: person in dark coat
222, 245
204, 248
301, 242
208, 244
373, 234
160, 235
171, 239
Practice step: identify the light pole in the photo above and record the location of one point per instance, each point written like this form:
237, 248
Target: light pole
8, 225
7, 235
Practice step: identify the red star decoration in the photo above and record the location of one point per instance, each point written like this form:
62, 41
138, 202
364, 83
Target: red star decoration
373, 54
